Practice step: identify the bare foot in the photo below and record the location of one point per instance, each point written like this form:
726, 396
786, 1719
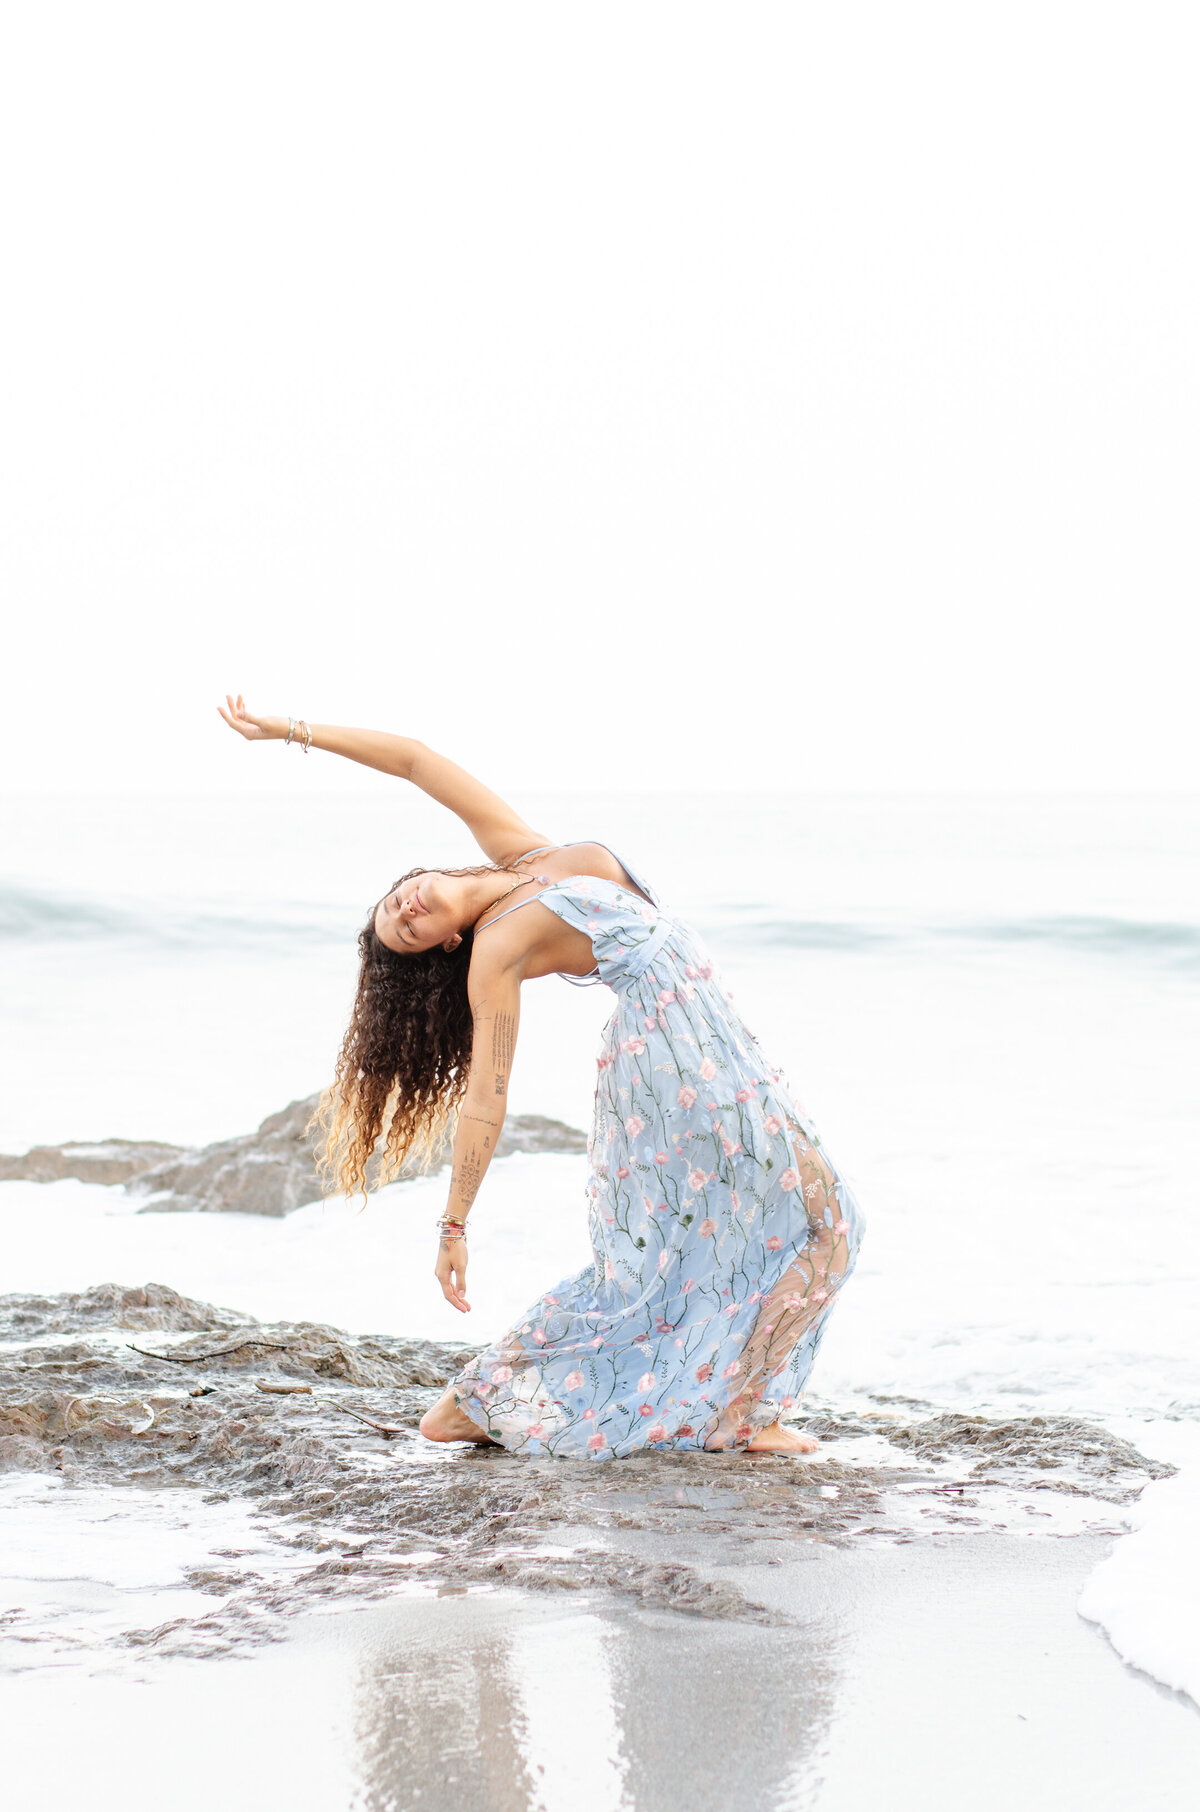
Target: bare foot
447, 1422
778, 1439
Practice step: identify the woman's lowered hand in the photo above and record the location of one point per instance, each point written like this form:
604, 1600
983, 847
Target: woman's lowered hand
451, 1273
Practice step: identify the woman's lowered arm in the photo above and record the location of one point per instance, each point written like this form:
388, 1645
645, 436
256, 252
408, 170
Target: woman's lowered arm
496, 1011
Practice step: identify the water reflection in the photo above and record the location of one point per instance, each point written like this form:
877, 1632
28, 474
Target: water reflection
496, 1704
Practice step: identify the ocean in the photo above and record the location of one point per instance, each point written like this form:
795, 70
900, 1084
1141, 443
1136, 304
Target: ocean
991, 1005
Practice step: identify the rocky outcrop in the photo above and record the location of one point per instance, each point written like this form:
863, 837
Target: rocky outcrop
316, 1429
271, 1171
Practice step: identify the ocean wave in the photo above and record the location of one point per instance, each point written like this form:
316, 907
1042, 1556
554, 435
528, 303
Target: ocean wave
29, 914
1157, 940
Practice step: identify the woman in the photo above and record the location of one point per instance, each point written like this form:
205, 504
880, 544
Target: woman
720, 1229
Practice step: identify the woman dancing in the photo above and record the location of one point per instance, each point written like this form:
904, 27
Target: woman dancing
721, 1231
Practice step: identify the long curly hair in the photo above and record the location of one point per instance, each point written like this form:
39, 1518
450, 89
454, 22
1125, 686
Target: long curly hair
402, 1070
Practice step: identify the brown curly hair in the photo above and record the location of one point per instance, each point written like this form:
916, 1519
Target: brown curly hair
402, 1069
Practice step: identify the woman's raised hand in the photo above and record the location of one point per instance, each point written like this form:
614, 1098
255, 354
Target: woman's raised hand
254, 729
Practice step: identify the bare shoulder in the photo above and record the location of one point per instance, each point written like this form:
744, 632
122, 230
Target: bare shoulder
500, 952
597, 859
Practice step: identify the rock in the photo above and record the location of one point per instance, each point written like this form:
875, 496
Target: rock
111, 1161
271, 1171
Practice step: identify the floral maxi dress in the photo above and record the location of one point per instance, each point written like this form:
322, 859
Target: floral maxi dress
721, 1231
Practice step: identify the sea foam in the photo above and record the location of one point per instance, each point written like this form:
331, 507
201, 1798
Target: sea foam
1146, 1594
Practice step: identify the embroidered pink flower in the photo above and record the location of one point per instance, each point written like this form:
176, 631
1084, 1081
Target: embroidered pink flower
646, 1381
635, 1046
684, 1430
736, 1199
732, 1369
744, 1094
657, 1433
819, 1295
774, 1244
645, 1409
689, 1285
660, 1157
841, 1226
664, 1258
573, 1381
633, 1126
593, 924
598, 1341
537, 1431
708, 1069
589, 1415
790, 1179
697, 1179
773, 1124
502, 1374
650, 1022
539, 1335
667, 998
707, 1227
686, 1096
703, 1373
596, 1442
729, 1148
732, 1308
622, 1172
609, 1272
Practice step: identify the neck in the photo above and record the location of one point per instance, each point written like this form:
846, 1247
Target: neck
482, 892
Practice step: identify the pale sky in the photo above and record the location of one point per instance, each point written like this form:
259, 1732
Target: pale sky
647, 396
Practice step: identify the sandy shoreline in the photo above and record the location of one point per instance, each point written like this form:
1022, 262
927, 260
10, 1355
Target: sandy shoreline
942, 1673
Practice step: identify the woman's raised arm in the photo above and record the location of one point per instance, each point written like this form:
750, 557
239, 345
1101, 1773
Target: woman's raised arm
500, 832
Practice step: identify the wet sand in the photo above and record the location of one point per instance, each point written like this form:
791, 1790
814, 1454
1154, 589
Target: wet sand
941, 1673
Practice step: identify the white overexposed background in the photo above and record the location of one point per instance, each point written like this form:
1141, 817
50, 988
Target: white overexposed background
680, 395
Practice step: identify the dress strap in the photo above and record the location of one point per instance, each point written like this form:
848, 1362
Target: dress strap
505, 913
535, 852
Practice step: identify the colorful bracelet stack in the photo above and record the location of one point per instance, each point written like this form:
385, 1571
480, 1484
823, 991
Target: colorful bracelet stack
450, 1229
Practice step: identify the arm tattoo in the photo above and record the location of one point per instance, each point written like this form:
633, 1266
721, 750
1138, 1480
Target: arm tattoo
468, 1174
504, 1038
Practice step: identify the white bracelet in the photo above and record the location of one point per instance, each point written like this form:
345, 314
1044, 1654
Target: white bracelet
291, 731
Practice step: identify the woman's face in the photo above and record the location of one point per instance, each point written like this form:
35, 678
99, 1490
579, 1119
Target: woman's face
419, 914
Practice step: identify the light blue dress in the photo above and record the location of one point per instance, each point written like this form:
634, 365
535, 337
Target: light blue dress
721, 1231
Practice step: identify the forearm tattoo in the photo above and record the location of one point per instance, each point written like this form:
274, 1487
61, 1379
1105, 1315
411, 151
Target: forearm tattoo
468, 1174
504, 1038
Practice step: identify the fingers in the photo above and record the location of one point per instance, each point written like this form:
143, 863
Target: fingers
452, 1276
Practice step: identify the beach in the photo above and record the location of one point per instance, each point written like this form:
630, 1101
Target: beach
979, 1588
